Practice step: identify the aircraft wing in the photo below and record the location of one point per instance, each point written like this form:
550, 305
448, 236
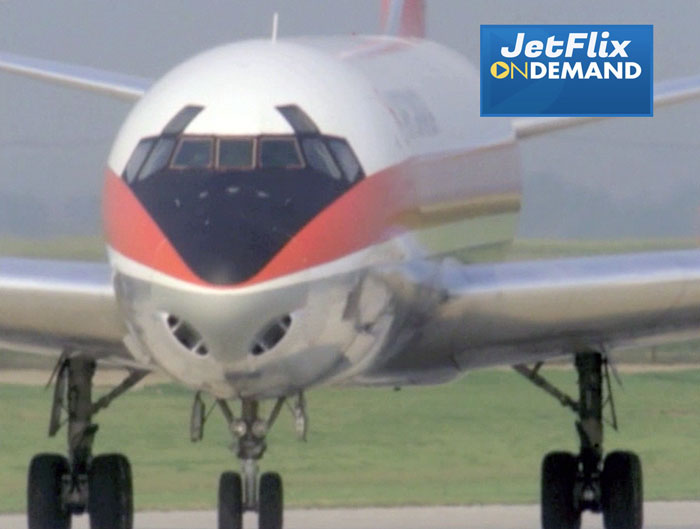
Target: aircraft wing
668, 92
50, 306
506, 313
112, 84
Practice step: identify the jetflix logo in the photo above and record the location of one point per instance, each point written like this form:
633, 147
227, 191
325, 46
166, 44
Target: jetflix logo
556, 70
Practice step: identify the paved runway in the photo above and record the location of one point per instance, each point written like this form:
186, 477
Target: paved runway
672, 515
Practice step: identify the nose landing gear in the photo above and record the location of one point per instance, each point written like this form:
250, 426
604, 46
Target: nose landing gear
250, 491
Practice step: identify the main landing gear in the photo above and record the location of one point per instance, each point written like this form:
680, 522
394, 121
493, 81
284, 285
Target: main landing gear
249, 490
572, 483
59, 487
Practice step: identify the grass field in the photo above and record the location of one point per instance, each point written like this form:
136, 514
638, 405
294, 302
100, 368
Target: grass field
73, 248
525, 249
478, 440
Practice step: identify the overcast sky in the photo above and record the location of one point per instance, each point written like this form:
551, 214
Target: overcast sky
54, 141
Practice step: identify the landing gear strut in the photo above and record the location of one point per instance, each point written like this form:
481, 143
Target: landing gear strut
59, 487
572, 483
249, 490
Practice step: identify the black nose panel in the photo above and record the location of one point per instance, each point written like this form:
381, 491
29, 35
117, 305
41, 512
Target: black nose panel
228, 225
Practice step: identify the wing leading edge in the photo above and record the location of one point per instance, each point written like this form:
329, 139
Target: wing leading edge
670, 92
49, 306
112, 84
507, 313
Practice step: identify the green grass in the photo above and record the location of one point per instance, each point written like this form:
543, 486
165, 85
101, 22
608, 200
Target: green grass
72, 248
478, 440
525, 249
93, 248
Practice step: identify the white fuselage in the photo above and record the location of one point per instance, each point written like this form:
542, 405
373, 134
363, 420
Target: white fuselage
438, 183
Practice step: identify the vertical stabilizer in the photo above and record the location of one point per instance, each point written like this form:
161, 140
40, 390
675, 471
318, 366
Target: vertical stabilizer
403, 18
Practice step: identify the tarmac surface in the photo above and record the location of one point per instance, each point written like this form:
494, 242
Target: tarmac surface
657, 515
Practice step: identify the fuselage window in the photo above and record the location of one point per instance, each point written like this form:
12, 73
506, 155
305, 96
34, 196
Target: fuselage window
319, 157
137, 158
280, 153
236, 154
194, 153
159, 157
346, 158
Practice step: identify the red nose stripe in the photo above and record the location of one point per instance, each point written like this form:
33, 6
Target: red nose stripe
131, 231
355, 221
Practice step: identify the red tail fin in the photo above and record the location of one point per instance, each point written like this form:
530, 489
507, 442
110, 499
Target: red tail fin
405, 18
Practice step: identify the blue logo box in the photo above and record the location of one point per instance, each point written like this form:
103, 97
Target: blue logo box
567, 70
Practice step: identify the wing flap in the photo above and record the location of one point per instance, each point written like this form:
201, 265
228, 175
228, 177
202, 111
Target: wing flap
112, 84
48, 305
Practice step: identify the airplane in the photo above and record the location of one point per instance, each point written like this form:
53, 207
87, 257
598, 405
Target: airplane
281, 214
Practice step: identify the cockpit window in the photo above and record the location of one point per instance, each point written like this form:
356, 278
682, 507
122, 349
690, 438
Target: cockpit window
194, 153
159, 157
280, 153
326, 155
346, 159
137, 158
236, 153
319, 157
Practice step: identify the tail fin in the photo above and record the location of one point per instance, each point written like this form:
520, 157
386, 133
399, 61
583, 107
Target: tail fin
404, 18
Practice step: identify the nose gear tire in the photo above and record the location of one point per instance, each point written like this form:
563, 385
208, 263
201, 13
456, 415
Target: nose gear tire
230, 501
271, 501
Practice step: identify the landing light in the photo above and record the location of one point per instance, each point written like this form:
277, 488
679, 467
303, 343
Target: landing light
239, 428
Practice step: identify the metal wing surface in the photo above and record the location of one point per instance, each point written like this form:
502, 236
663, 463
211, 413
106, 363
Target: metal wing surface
112, 84
49, 306
506, 313
666, 93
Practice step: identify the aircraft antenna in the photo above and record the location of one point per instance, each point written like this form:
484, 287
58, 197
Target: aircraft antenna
275, 24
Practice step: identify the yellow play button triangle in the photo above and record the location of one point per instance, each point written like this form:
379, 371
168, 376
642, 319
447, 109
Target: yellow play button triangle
499, 69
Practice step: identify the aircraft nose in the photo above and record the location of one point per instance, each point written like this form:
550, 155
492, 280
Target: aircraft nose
226, 227
227, 205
